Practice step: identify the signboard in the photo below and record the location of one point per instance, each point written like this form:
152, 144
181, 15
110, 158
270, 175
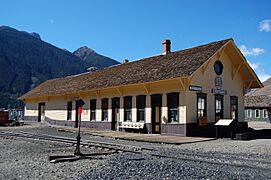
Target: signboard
223, 122
219, 91
202, 121
195, 88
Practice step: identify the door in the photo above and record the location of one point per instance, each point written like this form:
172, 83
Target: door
156, 104
115, 113
41, 113
218, 107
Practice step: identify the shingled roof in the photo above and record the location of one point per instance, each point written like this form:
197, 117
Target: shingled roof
258, 101
172, 65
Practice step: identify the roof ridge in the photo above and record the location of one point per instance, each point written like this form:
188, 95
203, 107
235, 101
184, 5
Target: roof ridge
145, 58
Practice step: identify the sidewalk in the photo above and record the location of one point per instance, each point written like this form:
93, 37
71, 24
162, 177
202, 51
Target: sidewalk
153, 138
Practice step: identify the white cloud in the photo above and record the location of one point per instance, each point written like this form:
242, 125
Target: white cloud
251, 51
263, 76
257, 67
254, 66
51, 20
265, 25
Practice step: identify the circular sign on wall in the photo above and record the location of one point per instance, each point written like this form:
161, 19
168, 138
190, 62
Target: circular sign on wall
218, 67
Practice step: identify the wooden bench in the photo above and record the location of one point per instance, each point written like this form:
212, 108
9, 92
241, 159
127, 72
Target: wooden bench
131, 125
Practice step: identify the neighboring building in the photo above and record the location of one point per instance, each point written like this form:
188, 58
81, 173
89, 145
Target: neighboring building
257, 108
183, 92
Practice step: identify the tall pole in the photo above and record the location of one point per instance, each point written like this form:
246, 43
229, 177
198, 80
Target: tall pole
77, 150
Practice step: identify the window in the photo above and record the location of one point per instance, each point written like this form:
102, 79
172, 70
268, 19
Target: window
105, 109
69, 109
128, 108
265, 113
93, 109
249, 113
218, 67
140, 106
173, 105
257, 113
218, 107
234, 108
201, 106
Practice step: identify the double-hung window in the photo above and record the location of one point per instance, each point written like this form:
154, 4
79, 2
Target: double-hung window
93, 109
69, 109
105, 109
201, 106
140, 106
257, 113
173, 107
128, 108
249, 113
234, 108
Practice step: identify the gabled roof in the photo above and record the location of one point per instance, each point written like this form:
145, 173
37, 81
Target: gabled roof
172, 65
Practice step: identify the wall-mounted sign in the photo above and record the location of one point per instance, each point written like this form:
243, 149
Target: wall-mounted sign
195, 88
219, 91
218, 82
202, 121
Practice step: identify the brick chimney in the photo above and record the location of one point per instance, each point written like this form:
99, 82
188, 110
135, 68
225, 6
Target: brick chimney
166, 46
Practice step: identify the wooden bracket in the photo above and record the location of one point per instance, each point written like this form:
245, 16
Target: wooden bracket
236, 70
97, 93
147, 88
120, 91
248, 86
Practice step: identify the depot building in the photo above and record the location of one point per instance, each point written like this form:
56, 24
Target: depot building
183, 92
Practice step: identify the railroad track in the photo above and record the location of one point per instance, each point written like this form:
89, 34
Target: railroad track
155, 152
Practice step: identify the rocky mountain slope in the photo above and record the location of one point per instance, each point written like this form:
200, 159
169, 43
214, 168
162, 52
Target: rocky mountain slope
26, 61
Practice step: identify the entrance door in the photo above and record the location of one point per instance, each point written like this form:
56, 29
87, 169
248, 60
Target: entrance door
41, 113
115, 113
218, 107
156, 104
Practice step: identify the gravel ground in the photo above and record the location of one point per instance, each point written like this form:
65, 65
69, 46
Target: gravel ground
28, 159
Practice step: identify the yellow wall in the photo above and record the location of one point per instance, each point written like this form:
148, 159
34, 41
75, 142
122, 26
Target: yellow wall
206, 79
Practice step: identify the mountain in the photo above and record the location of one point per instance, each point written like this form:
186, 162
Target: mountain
266, 90
26, 61
95, 59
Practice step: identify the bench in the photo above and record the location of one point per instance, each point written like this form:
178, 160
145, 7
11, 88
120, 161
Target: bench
131, 125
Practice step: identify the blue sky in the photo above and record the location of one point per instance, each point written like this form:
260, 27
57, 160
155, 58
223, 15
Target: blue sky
123, 29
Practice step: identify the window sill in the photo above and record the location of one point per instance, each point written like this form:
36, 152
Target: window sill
173, 123
140, 121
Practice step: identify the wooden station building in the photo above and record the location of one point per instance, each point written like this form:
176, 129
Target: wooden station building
183, 92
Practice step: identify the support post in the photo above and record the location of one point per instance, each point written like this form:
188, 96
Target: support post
77, 150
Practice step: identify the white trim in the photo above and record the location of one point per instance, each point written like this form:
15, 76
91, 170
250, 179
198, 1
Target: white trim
249, 115
258, 113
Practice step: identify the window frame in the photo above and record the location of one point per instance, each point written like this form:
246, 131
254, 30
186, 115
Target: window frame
265, 113
104, 108
173, 107
234, 98
249, 115
127, 106
141, 108
92, 109
69, 111
257, 110
204, 111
